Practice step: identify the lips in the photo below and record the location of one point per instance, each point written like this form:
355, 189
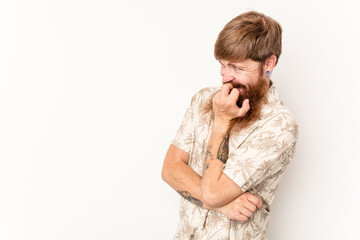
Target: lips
241, 89
238, 85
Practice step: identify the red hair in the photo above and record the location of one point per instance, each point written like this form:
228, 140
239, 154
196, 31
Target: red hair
249, 35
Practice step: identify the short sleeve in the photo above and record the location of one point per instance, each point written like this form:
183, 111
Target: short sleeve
265, 152
184, 138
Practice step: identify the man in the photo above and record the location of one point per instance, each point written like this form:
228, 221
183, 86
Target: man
235, 141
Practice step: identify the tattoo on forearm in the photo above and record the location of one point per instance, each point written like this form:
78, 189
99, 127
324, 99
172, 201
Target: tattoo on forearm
208, 153
223, 152
191, 199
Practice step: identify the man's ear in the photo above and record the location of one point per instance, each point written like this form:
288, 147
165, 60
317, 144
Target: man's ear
270, 63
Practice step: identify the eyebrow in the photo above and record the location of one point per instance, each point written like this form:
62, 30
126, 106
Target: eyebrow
234, 65
238, 66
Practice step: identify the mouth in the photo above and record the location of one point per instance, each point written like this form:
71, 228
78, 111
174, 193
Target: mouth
241, 89
238, 86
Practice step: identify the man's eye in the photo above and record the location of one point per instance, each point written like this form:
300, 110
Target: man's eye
237, 69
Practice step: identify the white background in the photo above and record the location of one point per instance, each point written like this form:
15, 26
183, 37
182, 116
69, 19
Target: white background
92, 93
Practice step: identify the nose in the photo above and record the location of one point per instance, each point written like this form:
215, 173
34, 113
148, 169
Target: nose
227, 77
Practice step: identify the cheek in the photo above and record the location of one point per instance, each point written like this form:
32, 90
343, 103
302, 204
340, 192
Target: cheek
241, 78
244, 80
248, 78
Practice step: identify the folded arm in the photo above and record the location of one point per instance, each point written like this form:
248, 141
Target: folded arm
181, 177
188, 183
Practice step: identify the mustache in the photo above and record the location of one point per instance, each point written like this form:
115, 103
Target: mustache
238, 85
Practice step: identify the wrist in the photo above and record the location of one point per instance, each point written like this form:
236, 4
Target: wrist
218, 209
221, 126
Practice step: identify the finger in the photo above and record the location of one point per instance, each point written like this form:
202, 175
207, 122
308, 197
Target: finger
250, 206
234, 94
241, 218
244, 211
244, 108
256, 201
225, 89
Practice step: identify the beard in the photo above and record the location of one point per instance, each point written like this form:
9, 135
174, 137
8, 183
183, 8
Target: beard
257, 99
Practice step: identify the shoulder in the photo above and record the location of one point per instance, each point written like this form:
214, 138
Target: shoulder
284, 120
205, 92
279, 121
203, 95
285, 124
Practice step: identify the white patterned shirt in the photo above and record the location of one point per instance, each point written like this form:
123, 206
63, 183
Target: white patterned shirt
258, 156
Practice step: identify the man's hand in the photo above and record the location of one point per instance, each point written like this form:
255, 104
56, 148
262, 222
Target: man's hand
242, 207
224, 104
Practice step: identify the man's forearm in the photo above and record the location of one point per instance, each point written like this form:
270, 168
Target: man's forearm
217, 149
186, 182
216, 156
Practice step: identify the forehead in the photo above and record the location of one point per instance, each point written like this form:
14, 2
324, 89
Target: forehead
248, 63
